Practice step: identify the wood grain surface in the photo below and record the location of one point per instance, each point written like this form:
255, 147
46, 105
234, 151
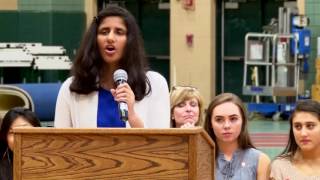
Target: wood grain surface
48, 153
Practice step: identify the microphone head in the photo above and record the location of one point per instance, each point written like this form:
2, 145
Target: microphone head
120, 74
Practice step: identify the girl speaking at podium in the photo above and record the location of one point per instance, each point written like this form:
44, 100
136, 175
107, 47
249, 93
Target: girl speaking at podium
91, 97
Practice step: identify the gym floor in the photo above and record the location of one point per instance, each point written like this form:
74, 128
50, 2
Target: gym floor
269, 136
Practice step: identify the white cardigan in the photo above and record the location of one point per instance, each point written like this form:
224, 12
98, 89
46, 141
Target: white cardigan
80, 111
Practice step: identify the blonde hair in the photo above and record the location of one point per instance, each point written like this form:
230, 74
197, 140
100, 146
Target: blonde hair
180, 94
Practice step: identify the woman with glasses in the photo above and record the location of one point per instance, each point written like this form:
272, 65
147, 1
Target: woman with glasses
301, 157
16, 117
186, 107
236, 157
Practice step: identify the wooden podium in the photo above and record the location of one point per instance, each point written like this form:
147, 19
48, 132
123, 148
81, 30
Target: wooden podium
121, 154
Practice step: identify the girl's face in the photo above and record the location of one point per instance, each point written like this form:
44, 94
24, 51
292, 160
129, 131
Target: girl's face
306, 130
112, 39
19, 122
226, 122
186, 112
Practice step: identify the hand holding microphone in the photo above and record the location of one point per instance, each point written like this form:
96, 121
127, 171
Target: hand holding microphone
123, 93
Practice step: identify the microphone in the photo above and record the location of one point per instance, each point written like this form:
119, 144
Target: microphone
120, 76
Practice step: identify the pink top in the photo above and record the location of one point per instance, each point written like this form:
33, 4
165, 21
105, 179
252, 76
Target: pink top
283, 169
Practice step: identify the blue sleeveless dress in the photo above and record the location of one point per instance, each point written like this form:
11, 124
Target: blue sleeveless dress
242, 166
108, 112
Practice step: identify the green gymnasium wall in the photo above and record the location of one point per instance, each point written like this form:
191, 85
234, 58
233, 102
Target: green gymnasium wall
51, 23
249, 17
313, 12
51, 5
49, 28
154, 26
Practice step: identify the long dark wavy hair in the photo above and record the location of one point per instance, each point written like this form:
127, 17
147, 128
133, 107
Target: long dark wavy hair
9, 119
88, 62
244, 140
309, 106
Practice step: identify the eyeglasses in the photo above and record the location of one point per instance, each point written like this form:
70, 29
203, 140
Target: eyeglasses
183, 87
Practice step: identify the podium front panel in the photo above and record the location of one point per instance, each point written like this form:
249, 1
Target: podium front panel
48, 153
